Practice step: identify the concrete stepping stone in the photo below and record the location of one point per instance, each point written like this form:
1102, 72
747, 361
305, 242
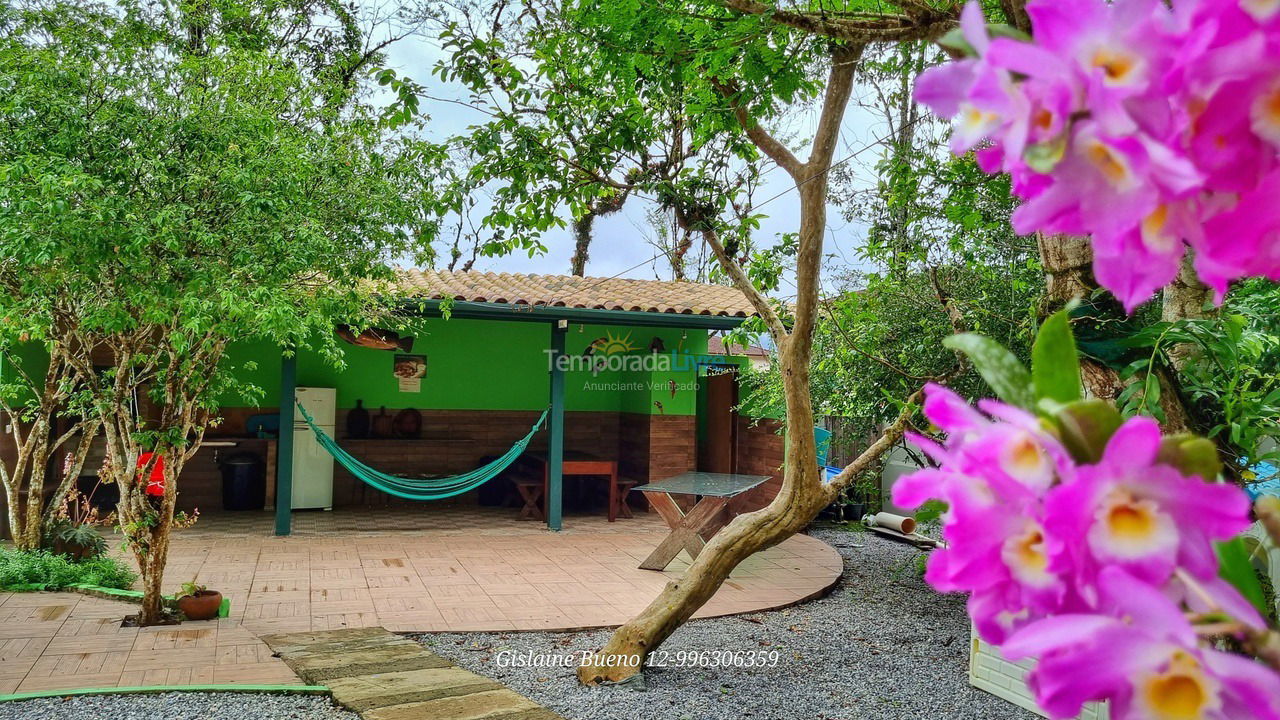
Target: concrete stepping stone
383, 676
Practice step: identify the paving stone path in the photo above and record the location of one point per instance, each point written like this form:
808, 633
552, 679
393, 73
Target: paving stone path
383, 676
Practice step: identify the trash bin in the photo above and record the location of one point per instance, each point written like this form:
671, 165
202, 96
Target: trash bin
244, 482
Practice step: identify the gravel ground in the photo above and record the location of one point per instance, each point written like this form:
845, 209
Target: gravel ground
178, 706
881, 645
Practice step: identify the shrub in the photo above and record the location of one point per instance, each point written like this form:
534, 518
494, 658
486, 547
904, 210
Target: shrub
42, 570
78, 538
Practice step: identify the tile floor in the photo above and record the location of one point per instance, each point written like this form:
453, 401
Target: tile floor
432, 568
444, 568
59, 641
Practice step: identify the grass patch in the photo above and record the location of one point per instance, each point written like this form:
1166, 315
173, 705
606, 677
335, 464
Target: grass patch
22, 570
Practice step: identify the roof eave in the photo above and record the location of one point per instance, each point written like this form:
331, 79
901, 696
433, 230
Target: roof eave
541, 313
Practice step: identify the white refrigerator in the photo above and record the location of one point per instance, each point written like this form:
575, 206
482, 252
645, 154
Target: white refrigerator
312, 464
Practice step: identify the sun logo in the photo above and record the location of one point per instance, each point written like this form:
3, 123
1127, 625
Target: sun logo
610, 344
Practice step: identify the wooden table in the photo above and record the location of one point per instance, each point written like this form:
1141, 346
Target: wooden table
573, 463
690, 531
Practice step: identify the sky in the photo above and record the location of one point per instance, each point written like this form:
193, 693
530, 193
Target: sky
619, 247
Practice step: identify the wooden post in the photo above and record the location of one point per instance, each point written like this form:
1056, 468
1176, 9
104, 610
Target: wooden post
284, 451
555, 438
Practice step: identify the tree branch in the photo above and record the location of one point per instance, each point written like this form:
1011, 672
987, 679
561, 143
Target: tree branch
839, 87
743, 283
762, 139
890, 435
921, 22
812, 188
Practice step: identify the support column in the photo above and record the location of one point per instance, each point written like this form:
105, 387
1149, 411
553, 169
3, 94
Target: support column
555, 436
284, 446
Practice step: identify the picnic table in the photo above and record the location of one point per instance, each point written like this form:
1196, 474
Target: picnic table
690, 531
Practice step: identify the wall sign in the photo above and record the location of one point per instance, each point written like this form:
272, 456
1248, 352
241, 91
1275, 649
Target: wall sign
409, 371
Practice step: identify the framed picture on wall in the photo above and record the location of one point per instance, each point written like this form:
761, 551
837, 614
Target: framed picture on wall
409, 371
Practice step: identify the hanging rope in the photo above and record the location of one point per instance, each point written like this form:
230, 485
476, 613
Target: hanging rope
421, 488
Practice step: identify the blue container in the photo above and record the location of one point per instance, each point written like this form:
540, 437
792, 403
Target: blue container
822, 438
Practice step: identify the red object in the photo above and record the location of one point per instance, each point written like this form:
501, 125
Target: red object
155, 483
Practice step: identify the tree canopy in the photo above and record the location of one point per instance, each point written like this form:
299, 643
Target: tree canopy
176, 177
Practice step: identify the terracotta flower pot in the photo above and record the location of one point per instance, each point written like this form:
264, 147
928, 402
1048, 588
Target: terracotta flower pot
203, 605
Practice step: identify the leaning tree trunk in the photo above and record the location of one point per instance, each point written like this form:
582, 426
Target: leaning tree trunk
88, 431
802, 494
799, 500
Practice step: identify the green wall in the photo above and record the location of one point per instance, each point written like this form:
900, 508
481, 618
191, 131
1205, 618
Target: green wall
492, 365
33, 360
480, 365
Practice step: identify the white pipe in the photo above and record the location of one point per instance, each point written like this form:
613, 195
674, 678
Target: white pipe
904, 525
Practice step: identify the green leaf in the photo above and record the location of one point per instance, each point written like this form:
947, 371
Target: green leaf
1086, 426
1007, 31
955, 41
1191, 455
1000, 368
1044, 157
1234, 567
1055, 365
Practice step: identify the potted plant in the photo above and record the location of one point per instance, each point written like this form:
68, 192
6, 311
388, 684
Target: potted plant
198, 602
859, 499
864, 497
73, 529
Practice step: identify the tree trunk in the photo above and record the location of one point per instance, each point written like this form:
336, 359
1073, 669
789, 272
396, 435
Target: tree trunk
1185, 298
156, 557
802, 494
679, 256
582, 227
800, 499
581, 243
143, 522
37, 469
147, 524
24, 480
18, 478
1068, 267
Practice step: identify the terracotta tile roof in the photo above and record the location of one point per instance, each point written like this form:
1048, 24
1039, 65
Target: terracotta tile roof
655, 296
715, 346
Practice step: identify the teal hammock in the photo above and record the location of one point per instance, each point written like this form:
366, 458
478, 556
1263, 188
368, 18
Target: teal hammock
422, 488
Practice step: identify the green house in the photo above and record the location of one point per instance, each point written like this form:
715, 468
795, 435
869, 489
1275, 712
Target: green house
620, 367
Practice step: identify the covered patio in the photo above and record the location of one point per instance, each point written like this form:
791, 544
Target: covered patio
621, 368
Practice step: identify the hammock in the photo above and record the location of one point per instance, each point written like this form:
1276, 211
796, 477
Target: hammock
422, 488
